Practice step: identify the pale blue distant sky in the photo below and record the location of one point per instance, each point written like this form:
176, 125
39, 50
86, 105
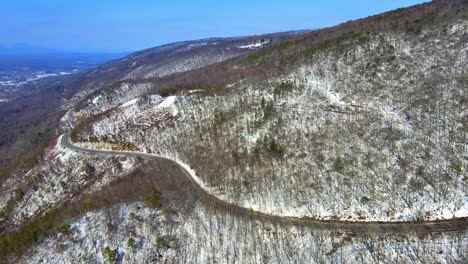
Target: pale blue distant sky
123, 25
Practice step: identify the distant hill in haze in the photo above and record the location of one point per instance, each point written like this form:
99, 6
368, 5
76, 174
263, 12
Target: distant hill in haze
26, 48
24, 56
23, 49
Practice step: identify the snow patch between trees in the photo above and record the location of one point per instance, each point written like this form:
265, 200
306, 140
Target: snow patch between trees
96, 99
129, 103
169, 101
61, 153
254, 45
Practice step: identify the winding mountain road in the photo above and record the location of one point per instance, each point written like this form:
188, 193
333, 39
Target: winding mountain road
355, 227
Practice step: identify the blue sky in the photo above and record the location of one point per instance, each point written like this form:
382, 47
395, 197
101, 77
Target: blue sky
126, 25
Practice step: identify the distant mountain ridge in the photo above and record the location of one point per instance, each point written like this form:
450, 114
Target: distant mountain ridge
29, 49
23, 49
174, 58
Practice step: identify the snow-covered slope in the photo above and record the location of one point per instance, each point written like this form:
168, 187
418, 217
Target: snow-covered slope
172, 58
207, 236
358, 122
332, 139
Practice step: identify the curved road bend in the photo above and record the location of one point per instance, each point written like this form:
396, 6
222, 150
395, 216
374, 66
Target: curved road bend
356, 227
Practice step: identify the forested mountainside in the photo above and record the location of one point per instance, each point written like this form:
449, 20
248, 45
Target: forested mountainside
361, 130
360, 124
28, 123
176, 58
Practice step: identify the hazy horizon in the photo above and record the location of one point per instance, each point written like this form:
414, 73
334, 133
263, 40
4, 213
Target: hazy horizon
121, 26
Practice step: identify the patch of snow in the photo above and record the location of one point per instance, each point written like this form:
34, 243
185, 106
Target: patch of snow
333, 97
42, 76
253, 138
457, 27
230, 85
126, 164
96, 99
154, 97
129, 103
7, 83
447, 214
255, 45
61, 153
462, 212
198, 44
194, 91
169, 101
